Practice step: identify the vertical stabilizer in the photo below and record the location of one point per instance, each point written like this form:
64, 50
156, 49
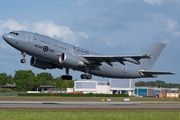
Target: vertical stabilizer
153, 51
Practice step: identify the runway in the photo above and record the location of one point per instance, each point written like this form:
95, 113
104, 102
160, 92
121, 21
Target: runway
90, 105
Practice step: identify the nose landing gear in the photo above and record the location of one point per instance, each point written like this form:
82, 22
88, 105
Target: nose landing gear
24, 55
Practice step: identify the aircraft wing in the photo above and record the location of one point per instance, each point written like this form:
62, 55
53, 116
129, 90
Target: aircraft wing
108, 59
151, 73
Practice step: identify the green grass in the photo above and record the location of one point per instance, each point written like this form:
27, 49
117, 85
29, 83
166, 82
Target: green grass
90, 115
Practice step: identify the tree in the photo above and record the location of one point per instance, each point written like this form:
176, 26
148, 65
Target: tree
25, 80
64, 85
70, 84
43, 78
10, 81
58, 82
2, 80
140, 83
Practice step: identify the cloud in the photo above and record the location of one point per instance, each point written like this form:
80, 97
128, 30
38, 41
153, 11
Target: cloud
79, 3
176, 34
48, 28
97, 3
10, 24
83, 34
166, 24
154, 1
170, 25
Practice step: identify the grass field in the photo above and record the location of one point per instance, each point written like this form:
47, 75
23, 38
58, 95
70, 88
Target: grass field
113, 99
90, 115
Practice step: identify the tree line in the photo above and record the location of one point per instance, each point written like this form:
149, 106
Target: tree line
26, 80
157, 83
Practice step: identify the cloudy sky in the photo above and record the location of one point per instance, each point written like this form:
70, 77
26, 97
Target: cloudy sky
110, 27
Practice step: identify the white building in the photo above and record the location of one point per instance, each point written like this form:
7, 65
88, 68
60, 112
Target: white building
96, 87
122, 86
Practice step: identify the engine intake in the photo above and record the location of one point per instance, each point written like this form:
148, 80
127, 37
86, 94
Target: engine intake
70, 60
42, 64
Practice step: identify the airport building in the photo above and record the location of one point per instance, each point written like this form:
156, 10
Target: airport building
120, 86
117, 86
148, 91
96, 87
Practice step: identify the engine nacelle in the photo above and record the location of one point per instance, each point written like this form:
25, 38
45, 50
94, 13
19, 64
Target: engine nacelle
70, 60
42, 64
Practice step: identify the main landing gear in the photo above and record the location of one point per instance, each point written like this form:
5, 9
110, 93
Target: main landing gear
86, 76
67, 76
24, 55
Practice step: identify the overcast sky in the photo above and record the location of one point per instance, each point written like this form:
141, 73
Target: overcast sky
110, 27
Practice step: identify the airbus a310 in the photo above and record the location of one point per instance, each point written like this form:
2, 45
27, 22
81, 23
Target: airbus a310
48, 53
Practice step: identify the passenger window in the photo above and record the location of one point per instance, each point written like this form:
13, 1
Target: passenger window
17, 34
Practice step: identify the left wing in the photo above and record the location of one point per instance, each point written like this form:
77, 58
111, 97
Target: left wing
108, 59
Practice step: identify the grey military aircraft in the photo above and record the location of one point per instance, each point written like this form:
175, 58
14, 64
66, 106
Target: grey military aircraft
48, 53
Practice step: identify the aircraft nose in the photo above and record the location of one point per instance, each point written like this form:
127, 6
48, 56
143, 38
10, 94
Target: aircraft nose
5, 37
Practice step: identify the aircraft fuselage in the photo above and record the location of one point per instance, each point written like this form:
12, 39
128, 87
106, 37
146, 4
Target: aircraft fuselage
50, 50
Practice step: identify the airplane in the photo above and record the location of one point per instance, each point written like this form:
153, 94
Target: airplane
48, 53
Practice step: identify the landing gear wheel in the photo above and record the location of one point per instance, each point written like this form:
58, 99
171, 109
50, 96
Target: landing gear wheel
23, 60
66, 77
24, 55
84, 76
88, 77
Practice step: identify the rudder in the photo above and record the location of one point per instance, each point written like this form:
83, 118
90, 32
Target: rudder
153, 51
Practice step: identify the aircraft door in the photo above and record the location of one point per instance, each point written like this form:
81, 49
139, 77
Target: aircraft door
29, 38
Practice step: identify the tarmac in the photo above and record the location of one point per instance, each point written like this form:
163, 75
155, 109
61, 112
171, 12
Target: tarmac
88, 105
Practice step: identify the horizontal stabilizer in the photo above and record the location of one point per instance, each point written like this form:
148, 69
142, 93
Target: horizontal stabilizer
151, 73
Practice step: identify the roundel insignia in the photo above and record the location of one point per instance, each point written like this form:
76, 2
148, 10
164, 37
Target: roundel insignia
45, 48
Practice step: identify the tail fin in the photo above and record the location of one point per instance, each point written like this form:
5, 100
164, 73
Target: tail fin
153, 51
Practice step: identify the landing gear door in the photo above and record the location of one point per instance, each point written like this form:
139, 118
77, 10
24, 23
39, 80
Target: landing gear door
29, 38
124, 68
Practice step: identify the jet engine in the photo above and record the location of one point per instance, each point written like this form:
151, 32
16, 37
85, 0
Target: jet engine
70, 60
42, 64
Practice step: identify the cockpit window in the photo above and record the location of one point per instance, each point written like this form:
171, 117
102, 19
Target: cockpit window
14, 33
